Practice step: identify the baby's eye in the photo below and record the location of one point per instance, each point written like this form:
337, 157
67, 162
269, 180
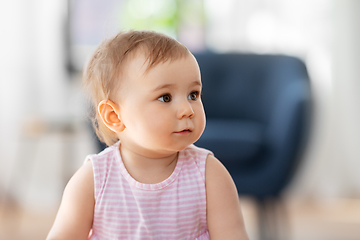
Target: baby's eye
165, 98
193, 96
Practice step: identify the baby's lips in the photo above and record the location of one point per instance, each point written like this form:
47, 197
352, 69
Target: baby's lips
185, 130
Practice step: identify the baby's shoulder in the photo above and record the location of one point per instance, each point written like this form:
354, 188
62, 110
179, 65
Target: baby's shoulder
194, 150
108, 154
196, 156
197, 153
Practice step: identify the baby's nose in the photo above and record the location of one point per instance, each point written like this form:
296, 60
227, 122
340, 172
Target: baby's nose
185, 110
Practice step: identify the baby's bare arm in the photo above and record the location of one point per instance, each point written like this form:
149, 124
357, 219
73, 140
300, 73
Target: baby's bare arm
75, 215
224, 216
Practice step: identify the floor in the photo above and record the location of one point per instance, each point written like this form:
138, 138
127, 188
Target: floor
22, 224
336, 219
307, 220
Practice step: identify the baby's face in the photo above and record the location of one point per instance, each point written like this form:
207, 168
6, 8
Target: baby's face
161, 109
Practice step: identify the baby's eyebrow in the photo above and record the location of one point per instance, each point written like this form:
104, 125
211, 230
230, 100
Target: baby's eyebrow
167, 85
170, 85
197, 82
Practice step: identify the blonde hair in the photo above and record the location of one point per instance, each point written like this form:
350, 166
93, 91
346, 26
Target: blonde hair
102, 75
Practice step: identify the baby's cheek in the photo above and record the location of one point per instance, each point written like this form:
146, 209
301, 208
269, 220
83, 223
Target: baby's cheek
161, 124
202, 117
202, 127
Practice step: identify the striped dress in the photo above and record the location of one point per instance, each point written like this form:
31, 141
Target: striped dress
172, 209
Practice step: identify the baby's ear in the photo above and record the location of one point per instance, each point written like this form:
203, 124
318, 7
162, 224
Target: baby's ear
110, 115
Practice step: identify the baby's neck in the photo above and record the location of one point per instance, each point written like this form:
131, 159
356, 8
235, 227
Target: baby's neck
146, 169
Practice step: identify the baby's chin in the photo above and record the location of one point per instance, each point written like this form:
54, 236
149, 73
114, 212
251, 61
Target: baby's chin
186, 145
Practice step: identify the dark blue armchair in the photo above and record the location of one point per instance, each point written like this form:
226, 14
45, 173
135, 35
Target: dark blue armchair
258, 115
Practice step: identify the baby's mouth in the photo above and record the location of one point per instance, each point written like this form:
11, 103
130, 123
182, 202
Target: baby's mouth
184, 131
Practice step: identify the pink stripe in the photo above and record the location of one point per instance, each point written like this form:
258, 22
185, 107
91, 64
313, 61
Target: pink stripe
188, 192
133, 223
150, 204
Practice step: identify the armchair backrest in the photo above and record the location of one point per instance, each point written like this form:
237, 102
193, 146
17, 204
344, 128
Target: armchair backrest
248, 83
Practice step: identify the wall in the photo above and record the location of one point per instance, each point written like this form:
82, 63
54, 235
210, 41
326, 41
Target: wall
346, 102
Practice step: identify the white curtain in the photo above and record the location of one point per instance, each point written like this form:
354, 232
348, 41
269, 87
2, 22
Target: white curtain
33, 80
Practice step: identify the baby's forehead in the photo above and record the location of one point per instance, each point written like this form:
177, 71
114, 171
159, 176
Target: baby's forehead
145, 60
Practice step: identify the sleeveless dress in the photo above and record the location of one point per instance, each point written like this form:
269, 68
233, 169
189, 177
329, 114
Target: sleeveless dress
127, 209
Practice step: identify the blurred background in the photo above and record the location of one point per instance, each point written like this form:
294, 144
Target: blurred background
45, 134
